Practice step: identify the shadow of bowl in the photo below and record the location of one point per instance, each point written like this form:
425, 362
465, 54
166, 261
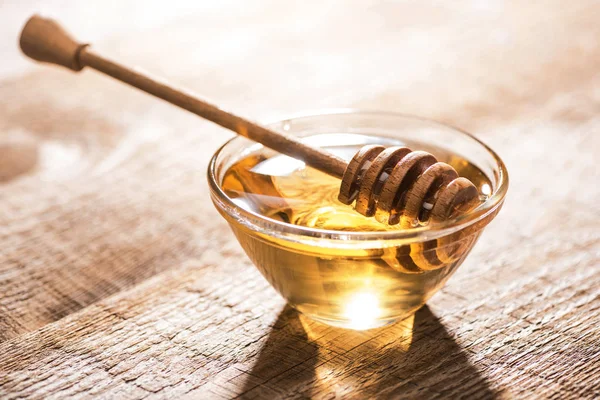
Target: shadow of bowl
416, 358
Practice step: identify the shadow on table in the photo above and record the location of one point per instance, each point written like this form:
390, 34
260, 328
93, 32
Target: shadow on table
412, 359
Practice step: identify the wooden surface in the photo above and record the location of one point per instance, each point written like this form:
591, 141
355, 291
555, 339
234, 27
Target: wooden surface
118, 279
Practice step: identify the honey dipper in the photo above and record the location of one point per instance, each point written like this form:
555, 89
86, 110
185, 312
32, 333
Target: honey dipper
387, 183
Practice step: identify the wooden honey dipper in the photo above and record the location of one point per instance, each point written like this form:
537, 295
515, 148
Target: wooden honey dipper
387, 183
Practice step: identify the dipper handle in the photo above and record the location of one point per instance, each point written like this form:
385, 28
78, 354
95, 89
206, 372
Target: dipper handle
47, 41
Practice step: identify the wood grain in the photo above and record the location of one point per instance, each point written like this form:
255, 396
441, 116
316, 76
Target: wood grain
119, 280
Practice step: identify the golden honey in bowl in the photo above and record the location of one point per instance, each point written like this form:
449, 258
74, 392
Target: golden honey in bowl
358, 287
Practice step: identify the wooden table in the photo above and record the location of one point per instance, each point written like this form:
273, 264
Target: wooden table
118, 279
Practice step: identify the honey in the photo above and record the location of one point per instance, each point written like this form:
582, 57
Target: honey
352, 287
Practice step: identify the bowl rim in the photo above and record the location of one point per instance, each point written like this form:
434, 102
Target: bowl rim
297, 233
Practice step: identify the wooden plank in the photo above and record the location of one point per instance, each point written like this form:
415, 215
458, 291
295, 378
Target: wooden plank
120, 280
180, 333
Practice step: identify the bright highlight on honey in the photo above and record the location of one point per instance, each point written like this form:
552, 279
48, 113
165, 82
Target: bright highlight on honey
362, 310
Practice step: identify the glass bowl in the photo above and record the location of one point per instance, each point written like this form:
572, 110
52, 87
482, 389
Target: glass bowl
361, 280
